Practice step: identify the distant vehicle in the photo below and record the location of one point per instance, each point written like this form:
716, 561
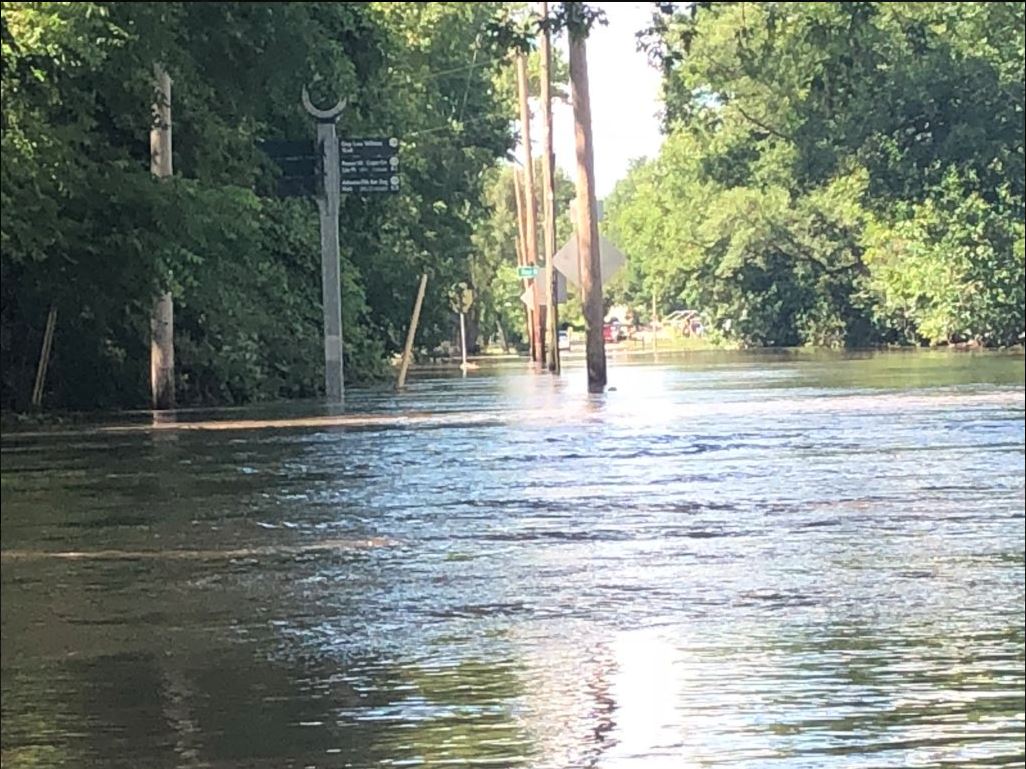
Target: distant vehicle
614, 332
564, 341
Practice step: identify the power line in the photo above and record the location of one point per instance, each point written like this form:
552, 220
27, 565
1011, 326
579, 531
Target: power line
472, 121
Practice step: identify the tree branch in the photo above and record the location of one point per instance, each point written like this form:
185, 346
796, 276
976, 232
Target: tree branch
769, 129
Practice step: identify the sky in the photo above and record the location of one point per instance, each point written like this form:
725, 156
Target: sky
625, 101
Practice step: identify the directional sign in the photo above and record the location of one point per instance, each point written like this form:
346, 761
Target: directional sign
371, 185
369, 166
277, 148
527, 271
299, 163
366, 166
610, 257
297, 186
368, 148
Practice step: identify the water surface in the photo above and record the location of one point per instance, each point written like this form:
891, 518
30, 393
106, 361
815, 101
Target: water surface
743, 560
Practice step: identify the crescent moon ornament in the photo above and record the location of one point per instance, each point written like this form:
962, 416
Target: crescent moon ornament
322, 114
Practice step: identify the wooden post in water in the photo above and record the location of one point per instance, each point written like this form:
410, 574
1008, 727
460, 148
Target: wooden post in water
463, 342
549, 194
44, 357
530, 208
655, 321
587, 224
162, 318
411, 334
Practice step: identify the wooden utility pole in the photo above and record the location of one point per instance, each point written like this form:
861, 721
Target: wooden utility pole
162, 318
411, 334
521, 246
549, 194
328, 203
530, 209
587, 224
522, 256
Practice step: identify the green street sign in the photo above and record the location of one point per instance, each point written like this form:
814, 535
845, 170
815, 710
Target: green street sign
527, 271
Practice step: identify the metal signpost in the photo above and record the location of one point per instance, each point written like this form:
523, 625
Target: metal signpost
326, 170
328, 203
461, 297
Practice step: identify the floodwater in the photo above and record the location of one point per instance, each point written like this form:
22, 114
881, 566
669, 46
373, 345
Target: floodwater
743, 560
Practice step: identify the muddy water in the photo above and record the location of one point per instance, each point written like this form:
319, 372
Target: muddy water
730, 560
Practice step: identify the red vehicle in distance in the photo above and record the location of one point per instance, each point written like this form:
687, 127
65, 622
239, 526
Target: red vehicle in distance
613, 332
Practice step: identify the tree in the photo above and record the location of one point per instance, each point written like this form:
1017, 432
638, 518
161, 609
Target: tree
809, 145
86, 229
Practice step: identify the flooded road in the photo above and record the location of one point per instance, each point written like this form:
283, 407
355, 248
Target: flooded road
743, 560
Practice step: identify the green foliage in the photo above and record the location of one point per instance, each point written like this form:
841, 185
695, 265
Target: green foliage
951, 266
835, 173
86, 228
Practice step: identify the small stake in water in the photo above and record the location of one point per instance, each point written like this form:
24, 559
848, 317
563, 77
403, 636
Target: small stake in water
461, 297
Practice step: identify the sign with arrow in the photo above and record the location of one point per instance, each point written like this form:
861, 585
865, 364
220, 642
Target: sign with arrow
369, 166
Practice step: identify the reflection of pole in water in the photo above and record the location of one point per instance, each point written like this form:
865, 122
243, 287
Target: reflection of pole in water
177, 696
602, 671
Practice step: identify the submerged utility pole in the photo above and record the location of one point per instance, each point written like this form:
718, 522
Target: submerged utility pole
328, 203
587, 226
522, 256
549, 195
530, 209
162, 317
